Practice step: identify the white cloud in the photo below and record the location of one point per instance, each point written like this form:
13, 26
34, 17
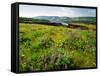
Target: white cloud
34, 10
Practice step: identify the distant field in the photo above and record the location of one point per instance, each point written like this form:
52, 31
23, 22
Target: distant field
43, 47
89, 26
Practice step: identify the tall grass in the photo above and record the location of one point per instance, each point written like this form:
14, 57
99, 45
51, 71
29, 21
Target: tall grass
43, 47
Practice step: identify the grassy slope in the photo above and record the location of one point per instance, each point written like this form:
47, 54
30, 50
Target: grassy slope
89, 26
59, 46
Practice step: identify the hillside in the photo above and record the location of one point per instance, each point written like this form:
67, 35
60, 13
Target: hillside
58, 19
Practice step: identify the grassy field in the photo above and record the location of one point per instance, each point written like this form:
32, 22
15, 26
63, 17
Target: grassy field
89, 26
43, 47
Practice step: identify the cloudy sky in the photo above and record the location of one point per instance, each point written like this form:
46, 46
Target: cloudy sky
34, 10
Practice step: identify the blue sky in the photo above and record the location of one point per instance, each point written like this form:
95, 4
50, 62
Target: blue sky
34, 10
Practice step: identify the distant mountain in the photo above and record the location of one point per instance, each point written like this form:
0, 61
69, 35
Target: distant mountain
60, 19
53, 18
83, 18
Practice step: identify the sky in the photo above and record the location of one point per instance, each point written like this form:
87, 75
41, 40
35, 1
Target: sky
36, 10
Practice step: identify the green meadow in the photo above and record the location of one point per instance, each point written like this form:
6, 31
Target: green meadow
44, 47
